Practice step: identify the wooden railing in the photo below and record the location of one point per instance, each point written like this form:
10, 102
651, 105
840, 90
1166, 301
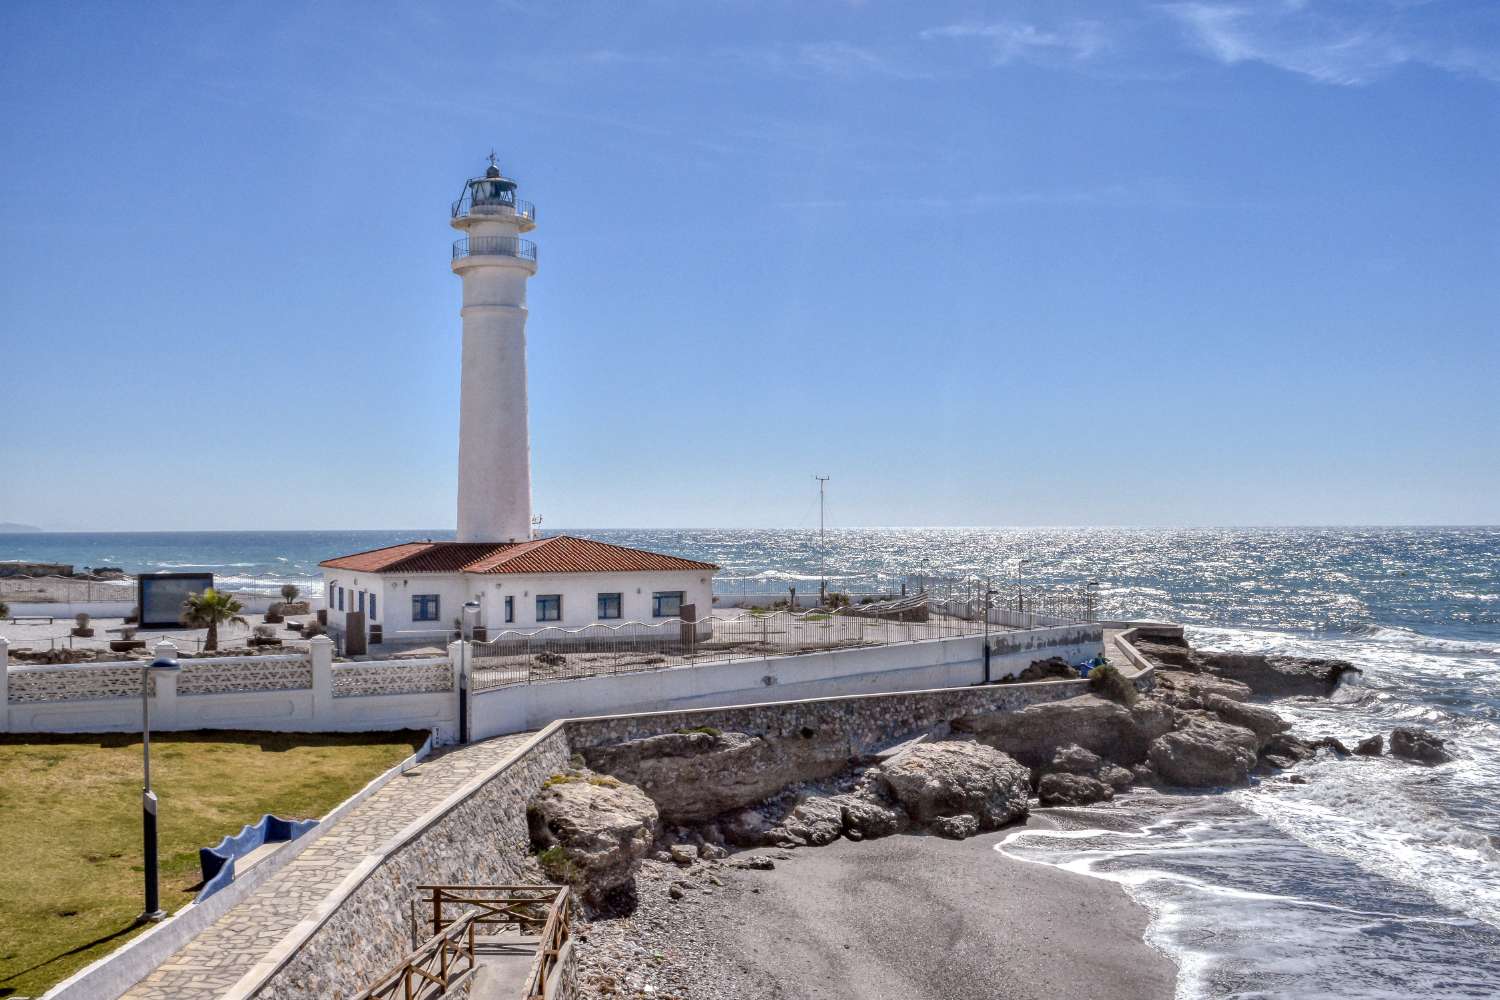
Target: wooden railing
556, 941
459, 914
441, 963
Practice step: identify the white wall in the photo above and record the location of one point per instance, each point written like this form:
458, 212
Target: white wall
579, 592
288, 709
933, 663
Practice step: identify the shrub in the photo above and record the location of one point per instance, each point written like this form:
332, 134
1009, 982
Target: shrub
289, 592
4, 610
837, 600
81, 620
265, 632
705, 730
550, 659
1110, 683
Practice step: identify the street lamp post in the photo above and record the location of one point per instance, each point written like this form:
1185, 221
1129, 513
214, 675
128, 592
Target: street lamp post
1020, 598
153, 910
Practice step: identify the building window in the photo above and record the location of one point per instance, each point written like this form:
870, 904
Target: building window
510, 609
372, 607
549, 607
361, 602
666, 603
424, 608
609, 606
341, 598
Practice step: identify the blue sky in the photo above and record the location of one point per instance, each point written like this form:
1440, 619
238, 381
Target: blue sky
983, 264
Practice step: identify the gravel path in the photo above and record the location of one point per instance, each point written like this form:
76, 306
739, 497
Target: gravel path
908, 917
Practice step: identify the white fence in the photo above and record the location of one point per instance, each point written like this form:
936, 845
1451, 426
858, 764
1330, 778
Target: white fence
309, 692
281, 692
954, 661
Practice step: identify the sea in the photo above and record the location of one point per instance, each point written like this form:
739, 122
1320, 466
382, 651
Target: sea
1374, 878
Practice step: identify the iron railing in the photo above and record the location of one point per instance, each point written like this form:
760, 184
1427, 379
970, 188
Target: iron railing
556, 653
518, 208
495, 246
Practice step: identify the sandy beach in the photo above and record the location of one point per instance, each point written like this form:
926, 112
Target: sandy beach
909, 917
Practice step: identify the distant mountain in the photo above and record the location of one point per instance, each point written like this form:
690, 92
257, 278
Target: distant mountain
12, 528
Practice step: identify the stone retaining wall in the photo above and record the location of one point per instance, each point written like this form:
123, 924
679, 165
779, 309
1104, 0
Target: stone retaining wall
864, 722
479, 837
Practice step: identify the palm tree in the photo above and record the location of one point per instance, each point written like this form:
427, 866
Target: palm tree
210, 609
289, 592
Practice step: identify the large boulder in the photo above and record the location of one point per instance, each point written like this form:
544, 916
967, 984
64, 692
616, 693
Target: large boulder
816, 820
1265, 676
1205, 753
1054, 668
1419, 745
1034, 734
947, 779
1280, 676
1188, 690
1063, 789
1260, 720
1370, 746
695, 776
1074, 759
866, 816
591, 831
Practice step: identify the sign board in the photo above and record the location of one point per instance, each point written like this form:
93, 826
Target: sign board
160, 596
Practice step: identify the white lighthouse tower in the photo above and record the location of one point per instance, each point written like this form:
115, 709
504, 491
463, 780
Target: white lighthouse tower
494, 450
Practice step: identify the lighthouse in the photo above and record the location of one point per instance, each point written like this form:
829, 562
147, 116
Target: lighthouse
496, 576
494, 449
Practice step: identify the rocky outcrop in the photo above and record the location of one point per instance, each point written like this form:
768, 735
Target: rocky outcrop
1188, 690
696, 776
1283, 750
1265, 676
1372, 746
816, 820
1102, 727
1064, 789
935, 781
1053, 668
1419, 745
591, 831
1261, 721
1205, 753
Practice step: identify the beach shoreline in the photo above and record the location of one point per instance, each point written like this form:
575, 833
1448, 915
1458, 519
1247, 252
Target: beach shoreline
910, 916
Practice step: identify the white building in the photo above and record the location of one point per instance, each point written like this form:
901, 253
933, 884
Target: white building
508, 579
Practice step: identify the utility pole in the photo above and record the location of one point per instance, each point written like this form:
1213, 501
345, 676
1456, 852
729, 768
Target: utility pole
822, 543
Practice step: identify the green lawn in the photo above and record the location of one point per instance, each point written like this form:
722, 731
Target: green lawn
70, 826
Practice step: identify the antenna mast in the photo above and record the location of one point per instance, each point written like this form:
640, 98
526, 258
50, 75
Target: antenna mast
822, 544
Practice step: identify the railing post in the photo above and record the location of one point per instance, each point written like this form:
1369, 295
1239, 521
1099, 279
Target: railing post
164, 703
458, 660
320, 654
4, 685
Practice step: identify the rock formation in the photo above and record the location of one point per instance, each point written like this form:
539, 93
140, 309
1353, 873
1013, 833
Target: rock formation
937, 781
695, 776
1419, 745
591, 831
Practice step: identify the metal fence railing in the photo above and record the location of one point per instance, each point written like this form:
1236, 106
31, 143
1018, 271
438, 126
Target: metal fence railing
495, 246
553, 653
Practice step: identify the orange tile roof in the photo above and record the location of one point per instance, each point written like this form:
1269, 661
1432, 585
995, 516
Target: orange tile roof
558, 554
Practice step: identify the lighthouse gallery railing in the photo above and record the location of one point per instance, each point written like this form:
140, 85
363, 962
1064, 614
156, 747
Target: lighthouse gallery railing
495, 246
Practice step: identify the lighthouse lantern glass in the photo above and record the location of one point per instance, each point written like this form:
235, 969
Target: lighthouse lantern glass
494, 192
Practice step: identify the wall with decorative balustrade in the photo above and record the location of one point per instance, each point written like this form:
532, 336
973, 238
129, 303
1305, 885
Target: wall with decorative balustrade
278, 692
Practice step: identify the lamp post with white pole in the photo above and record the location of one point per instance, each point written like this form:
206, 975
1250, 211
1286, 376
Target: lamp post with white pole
153, 910
1020, 594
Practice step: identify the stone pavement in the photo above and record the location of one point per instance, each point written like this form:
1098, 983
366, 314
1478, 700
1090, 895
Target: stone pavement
220, 956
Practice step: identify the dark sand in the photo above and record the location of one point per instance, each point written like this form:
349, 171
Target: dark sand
917, 917
909, 917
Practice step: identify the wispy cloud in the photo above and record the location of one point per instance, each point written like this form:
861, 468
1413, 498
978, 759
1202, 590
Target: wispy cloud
1011, 41
833, 58
1151, 193
1339, 42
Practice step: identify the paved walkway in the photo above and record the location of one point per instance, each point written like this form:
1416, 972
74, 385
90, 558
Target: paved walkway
217, 958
